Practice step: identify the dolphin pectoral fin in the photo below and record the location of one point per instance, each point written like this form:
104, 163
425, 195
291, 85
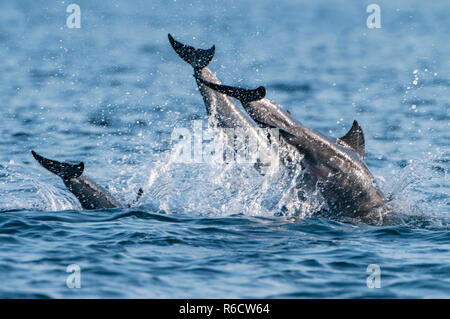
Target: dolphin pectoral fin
198, 58
355, 139
295, 141
63, 170
289, 136
265, 125
138, 197
243, 95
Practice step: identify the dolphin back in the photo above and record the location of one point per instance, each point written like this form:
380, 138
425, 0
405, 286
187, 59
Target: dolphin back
198, 58
64, 170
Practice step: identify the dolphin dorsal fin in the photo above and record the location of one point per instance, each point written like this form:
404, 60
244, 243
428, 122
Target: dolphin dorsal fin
355, 139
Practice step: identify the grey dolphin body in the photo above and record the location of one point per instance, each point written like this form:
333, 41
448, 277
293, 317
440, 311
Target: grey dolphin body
335, 164
90, 195
222, 112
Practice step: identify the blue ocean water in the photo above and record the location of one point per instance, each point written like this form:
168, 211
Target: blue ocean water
110, 94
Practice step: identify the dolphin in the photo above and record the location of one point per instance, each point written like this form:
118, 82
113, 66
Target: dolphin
90, 195
223, 113
336, 165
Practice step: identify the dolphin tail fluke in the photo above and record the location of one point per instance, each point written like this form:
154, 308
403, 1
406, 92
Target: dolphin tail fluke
243, 95
198, 58
63, 170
